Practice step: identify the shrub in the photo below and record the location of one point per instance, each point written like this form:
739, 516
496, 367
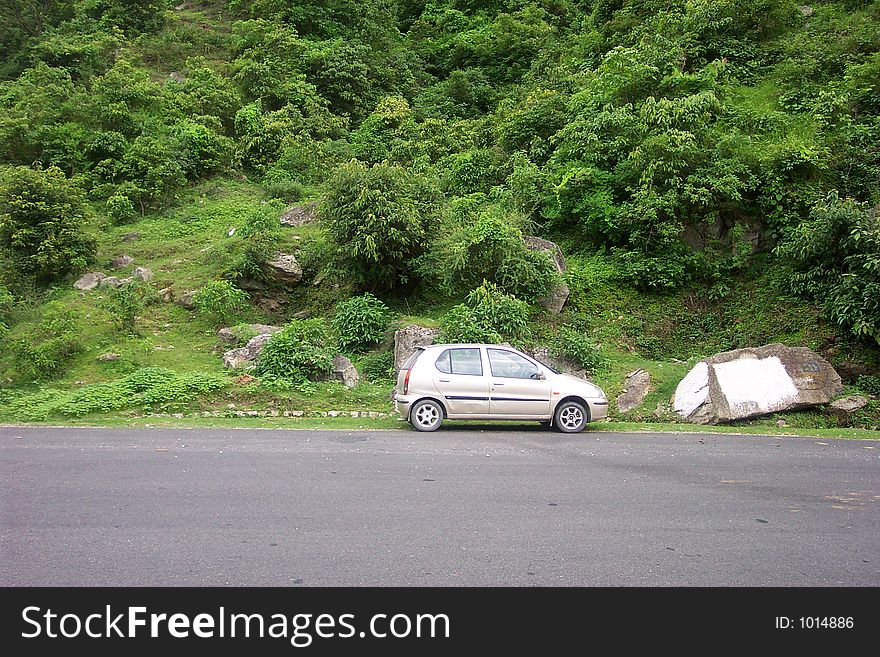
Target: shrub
120, 209
488, 315
42, 220
481, 245
221, 302
360, 322
48, 349
835, 255
261, 231
576, 347
379, 218
869, 383
377, 366
126, 302
302, 349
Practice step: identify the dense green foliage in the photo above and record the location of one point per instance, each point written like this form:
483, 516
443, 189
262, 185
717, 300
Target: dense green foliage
222, 302
42, 224
487, 315
360, 322
302, 349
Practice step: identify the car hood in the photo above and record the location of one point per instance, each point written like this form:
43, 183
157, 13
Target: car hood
574, 384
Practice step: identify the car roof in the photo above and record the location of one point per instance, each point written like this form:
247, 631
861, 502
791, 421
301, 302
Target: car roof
468, 344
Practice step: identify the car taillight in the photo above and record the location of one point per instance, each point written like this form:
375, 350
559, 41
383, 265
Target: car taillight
406, 382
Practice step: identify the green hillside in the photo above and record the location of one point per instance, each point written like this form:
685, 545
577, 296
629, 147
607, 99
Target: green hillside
709, 168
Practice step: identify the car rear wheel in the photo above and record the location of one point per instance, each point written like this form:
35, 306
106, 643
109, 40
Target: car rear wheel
426, 415
571, 417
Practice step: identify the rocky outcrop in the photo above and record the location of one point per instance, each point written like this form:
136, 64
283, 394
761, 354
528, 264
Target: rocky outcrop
558, 295
244, 358
345, 371
89, 281
746, 383
408, 338
635, 388
844, 408
543, 355
285, 269
230, 334
299, 215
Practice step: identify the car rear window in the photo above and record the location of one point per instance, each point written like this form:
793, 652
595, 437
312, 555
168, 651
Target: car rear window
412, 359
460, 361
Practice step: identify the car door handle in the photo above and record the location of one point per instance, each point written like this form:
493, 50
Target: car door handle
497, 384
443, 380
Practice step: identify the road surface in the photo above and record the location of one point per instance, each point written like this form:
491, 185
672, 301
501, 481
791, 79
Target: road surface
505, 505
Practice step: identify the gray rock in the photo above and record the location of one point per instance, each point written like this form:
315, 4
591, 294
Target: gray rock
250, 284
89, 281
299, 215
131, 237
543, 355
120, 261
142, 274
166, 294
284, 268
844, 407
227, 334
109, 356
556, 298
806, 10
186, 300
244, 357
746, 383
635, 388
177, 76
408, 338
302, 314
345, 371
111, 281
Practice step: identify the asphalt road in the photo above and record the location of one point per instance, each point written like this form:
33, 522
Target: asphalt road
508, 505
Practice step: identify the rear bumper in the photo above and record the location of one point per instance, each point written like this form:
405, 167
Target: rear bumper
402, 404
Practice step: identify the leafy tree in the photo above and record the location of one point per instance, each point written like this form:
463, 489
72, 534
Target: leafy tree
360, 322
42, 223
488, 315
380, 218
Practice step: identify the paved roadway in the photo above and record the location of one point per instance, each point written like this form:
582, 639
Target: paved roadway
506, 505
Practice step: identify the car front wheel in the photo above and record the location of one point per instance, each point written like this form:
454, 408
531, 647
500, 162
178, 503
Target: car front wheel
426, 415
571, 417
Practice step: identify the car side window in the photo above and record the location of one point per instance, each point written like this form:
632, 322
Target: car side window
510, 365
443, 362
466, 361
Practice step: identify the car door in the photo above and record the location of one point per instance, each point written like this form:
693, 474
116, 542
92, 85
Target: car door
459, 377
517, 386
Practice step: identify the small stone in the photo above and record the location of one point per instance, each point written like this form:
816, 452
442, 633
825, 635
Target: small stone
131, 237
333, 413
166, 294
142, 274
355, 414
781, 423
111, 281
89, 281
120, 261
109, 356
186, 300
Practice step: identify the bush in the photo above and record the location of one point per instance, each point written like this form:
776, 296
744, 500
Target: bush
577, 348
302, 349
869, 383
379, 217
488, 315
120, 209
221, 302
48, 349
482, 245
126, 302
377, 366
42, 221
261, 231
360, 322
835, 255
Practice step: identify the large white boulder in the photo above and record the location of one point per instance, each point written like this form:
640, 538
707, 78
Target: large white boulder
746, 383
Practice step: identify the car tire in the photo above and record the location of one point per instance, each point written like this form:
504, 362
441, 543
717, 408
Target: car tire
571, 417
426, 415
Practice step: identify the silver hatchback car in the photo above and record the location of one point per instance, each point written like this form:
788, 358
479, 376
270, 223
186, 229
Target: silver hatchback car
491, 382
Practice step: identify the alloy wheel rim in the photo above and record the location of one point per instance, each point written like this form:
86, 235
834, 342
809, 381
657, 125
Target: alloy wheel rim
571, 417
427, 416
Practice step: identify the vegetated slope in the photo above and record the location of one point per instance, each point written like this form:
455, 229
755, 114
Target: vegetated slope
708, 168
